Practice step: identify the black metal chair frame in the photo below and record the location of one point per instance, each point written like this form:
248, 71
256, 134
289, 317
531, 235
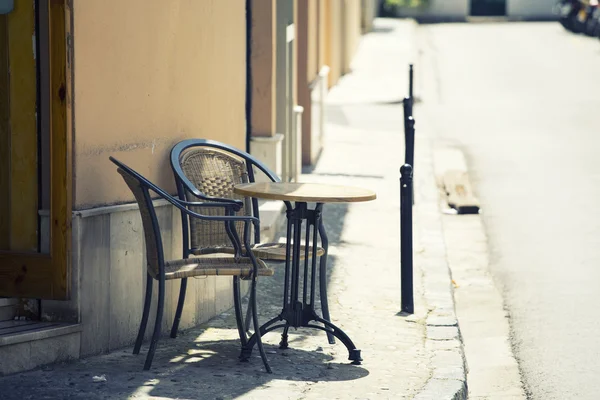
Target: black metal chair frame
183, 184
228, 220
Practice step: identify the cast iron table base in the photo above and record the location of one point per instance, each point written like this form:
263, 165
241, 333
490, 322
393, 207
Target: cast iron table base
296, 313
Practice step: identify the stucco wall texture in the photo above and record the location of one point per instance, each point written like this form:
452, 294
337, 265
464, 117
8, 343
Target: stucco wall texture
147, 74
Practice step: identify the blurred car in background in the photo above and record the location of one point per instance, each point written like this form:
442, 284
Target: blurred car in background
579, 16
592, 27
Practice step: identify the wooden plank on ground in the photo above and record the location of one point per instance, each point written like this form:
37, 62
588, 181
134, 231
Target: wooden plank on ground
460, 192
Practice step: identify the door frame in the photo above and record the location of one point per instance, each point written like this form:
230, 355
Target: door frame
37, 275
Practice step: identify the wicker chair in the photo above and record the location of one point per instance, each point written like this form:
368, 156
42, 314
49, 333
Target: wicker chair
208, 170
221, 264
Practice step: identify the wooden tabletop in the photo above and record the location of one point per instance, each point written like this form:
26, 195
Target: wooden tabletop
305, 192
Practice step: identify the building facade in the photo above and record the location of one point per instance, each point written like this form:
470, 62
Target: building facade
457, 10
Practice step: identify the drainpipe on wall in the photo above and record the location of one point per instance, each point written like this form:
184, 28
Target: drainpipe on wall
248, 74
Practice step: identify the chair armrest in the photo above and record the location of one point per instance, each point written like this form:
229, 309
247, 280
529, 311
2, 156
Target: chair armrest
207, 204
199, 195
181, 205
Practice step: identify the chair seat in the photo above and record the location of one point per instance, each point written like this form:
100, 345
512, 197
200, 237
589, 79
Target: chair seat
264, 251
219, 264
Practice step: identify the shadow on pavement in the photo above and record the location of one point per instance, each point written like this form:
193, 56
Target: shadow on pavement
200, 369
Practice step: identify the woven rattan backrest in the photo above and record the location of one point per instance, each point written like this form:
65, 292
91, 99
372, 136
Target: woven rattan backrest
152, 241
214, 173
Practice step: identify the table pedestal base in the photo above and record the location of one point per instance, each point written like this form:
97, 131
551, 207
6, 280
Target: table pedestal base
296, 313
307, 317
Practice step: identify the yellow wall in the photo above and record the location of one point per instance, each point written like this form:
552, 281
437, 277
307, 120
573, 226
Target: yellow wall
368, 14
339, 33
149, 73
322, 27
352, 33
333, 39
312, 57
264, 67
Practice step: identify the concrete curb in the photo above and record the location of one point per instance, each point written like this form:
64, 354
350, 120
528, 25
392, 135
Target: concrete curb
448, 364
478, 302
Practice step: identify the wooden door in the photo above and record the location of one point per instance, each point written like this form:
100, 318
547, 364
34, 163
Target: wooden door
35, 158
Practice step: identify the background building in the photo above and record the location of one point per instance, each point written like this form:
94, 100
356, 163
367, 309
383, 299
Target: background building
460, 9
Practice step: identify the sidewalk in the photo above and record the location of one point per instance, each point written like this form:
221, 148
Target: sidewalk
418, 356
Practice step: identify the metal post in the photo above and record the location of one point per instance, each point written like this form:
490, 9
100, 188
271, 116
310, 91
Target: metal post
409, 142
406, 241
409, 146
410, 83
407, 108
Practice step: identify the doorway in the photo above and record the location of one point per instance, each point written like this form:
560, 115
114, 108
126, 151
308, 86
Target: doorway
488, 8
35, 157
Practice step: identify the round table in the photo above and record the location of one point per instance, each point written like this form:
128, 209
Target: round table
298, 313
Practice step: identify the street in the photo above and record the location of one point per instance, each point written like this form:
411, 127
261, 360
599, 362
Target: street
521, 99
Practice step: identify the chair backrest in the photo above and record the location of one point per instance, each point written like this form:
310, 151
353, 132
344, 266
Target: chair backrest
237, 159
214, 173
154, 247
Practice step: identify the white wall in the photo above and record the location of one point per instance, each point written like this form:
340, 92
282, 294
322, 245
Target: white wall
109, 276
530, 8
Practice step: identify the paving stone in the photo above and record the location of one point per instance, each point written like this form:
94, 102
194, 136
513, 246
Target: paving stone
441, 320
442, 332
443, 389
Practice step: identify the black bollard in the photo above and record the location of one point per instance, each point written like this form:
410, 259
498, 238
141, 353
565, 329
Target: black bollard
409, 149
410, 83
407, 108
409, 142
406, 241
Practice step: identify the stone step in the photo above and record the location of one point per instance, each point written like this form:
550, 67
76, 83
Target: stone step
26, 345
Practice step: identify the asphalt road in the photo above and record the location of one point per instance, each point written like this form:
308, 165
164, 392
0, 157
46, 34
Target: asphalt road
523, 101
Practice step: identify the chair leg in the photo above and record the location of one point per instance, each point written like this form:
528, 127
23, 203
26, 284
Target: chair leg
144, 322
157, 324
237, 303
179, 309
259, 343
323, 279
